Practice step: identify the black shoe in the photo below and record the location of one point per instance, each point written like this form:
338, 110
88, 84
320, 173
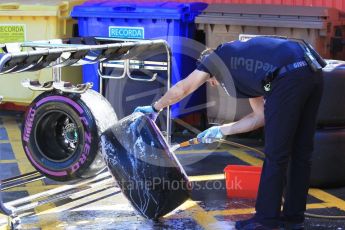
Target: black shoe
292, 226
250, 224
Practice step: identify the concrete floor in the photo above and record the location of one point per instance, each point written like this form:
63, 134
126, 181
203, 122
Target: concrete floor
102, 206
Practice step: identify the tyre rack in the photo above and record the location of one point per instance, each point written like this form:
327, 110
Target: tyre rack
57, 53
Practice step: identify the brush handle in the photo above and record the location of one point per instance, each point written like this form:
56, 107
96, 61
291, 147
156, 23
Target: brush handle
193, 141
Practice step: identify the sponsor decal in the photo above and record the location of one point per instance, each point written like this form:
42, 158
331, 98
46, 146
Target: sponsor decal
12, 33
85, 153
126, 32
251, 65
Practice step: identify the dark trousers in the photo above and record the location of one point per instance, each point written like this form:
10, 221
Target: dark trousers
290, 119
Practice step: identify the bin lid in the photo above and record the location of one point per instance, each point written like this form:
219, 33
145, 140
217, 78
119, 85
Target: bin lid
140, 10
269, 9
37, 7
269, 15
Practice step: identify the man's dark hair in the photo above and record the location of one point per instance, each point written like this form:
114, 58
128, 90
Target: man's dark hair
204, 54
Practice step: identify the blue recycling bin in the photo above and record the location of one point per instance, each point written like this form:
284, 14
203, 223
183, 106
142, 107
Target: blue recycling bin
143, 20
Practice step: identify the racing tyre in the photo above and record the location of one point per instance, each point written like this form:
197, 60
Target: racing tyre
331, 113
147, 172
328, 161
61, 134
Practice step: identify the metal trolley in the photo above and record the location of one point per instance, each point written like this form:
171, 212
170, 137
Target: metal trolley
57, 53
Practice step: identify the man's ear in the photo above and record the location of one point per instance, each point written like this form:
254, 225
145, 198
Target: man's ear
213, 81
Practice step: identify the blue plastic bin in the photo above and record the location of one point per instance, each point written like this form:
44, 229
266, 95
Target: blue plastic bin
128, 20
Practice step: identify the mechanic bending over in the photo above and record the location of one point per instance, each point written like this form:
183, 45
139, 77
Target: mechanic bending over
283, 82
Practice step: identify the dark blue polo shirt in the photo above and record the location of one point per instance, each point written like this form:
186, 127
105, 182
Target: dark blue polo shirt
240, 66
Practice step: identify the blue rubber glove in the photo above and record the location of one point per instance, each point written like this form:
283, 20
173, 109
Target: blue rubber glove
147, 110
211, 135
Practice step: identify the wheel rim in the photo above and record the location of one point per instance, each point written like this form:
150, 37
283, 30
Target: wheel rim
57, 136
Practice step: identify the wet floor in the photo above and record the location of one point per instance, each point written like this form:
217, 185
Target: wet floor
98, 203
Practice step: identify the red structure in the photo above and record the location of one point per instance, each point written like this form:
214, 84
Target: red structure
338, 4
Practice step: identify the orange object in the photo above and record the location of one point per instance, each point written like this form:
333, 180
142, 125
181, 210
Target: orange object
242, 181
13, 107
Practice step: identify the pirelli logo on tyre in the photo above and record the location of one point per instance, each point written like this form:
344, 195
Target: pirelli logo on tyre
28, 124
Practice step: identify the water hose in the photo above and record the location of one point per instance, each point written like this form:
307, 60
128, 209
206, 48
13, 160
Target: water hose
196, 141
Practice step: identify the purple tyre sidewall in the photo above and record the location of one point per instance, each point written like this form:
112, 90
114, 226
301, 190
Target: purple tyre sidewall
84, 153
